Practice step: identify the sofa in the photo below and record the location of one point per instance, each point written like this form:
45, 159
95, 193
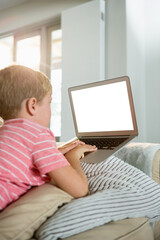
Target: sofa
21, 219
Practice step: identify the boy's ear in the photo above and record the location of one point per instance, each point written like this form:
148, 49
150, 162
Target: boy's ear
31, 106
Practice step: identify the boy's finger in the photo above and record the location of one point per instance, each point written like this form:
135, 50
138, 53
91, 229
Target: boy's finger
73, 145
92, 148
81, 143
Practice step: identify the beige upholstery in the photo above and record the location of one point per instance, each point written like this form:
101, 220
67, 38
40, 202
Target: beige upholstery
128, 229
21, 218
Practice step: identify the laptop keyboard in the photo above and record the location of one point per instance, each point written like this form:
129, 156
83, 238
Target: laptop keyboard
104, 143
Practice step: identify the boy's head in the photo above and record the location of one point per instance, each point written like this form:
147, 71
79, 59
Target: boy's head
19, 83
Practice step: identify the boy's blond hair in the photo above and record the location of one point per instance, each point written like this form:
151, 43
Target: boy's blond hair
18, 83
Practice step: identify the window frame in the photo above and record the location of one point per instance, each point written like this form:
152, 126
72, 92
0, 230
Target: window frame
45, 31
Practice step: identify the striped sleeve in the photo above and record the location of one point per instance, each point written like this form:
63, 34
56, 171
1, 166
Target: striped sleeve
46, 157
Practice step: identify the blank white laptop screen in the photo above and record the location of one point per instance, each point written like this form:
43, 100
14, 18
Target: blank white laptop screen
103, 108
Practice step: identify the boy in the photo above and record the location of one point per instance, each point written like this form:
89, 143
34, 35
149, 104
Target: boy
28, 153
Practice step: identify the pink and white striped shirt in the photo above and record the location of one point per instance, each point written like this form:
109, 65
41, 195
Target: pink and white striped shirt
27, 153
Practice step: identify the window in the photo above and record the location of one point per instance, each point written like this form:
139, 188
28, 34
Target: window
6, 50
28, 52
41, 50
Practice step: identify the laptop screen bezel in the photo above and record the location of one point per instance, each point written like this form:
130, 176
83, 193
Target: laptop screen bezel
133, 132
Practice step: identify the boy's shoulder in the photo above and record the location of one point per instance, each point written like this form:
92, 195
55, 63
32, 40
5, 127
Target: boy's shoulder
21, 124
25, 132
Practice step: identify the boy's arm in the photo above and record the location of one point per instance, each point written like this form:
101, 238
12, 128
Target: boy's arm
72, 179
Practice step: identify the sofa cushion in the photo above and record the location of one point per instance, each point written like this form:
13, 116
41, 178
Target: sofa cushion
128, 229
20, 219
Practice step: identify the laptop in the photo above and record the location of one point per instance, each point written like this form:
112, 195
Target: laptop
103, 115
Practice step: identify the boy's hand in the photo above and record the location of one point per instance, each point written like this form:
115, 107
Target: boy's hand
79, 151
67, 147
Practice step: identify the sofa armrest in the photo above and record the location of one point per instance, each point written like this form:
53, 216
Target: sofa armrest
144, 156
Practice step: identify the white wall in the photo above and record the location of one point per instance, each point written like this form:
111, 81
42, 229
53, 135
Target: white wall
135, 64
153, 70
115, 38
125, 50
